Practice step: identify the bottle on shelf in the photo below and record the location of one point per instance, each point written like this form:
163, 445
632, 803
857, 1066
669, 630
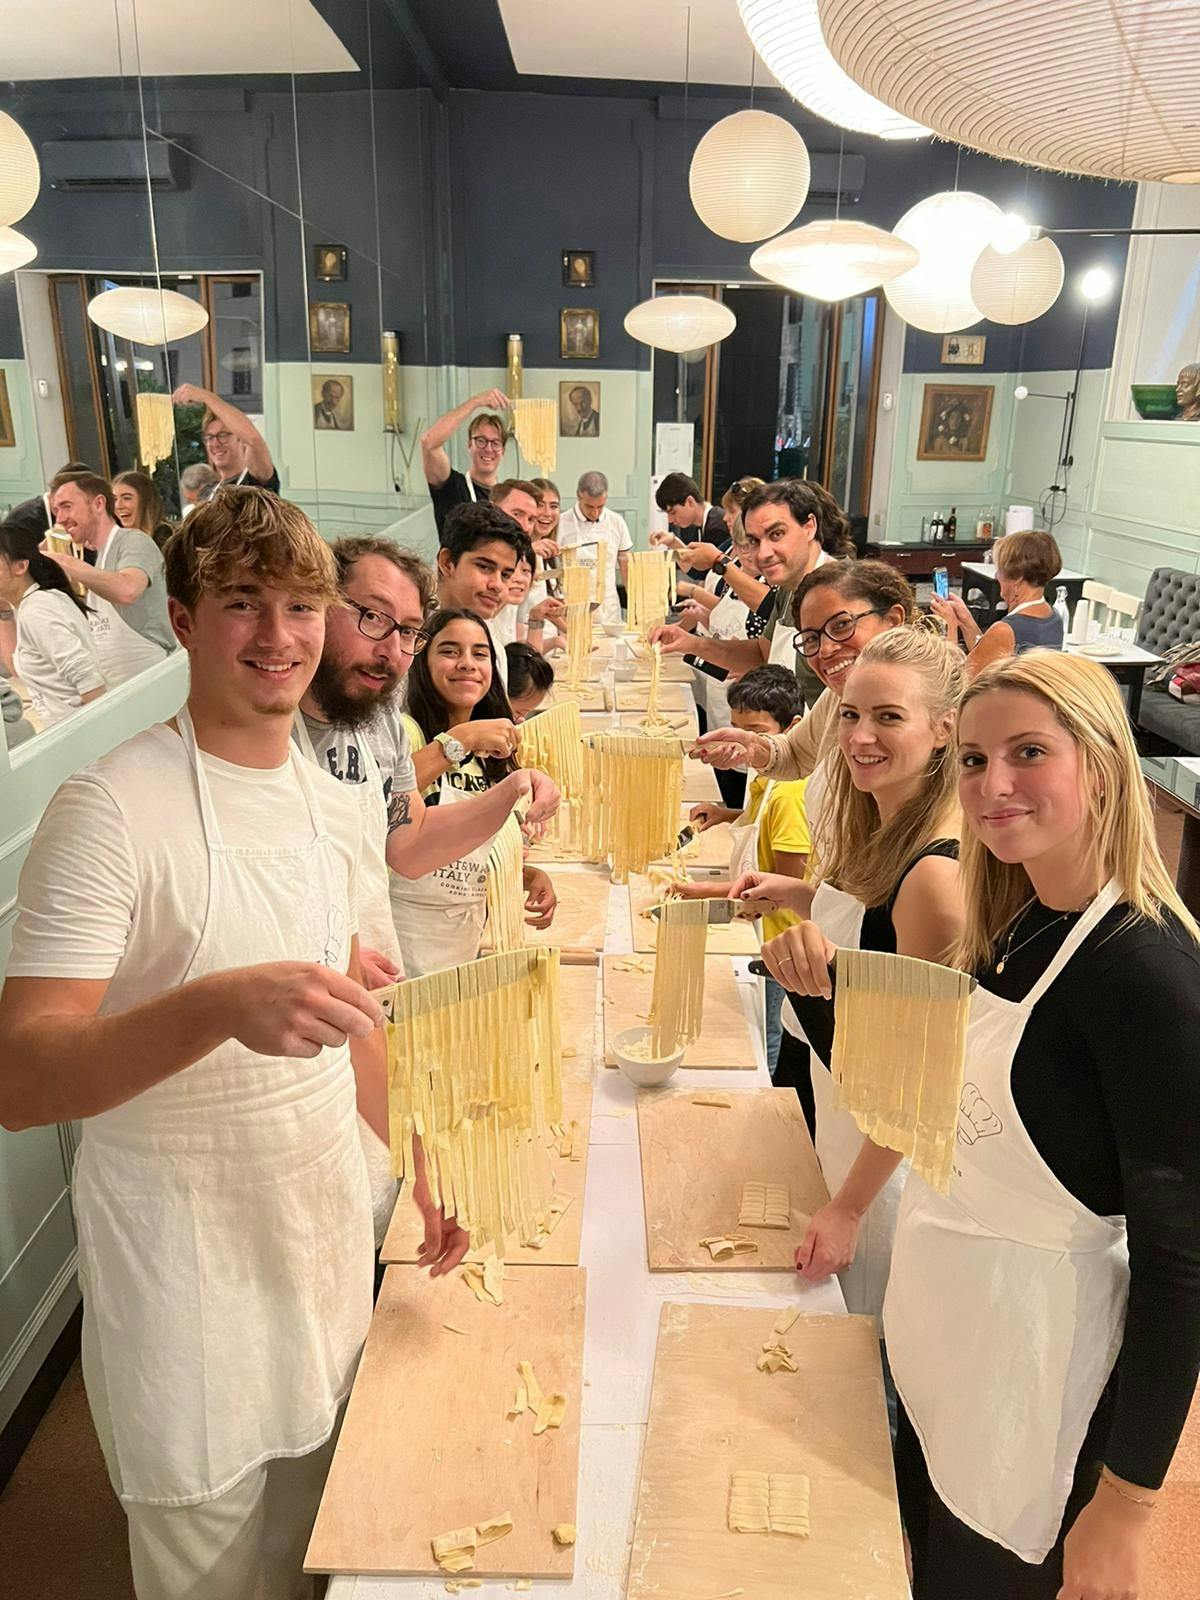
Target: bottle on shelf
952, 524
1062, 610
924, 530
936, 527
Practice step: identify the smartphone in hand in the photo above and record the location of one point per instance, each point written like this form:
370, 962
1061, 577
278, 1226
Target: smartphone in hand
941, 583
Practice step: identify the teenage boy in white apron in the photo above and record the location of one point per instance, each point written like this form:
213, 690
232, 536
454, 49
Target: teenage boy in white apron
191, 993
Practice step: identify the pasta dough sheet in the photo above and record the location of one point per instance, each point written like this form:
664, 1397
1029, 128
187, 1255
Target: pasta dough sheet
632, 783
551, 743
506, 888
650, 586
535, 423
677, 1007
900, 1039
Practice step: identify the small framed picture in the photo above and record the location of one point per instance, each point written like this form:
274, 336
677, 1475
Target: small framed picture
579, 335
955, 421
329, 327
578, 409
579, 269
963, 349
8, 434
333, 402
329, 263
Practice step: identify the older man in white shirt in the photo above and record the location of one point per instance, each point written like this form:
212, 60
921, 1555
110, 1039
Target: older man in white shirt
602, 538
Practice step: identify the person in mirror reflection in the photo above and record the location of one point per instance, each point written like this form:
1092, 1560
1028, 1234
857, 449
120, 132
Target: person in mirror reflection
487, 436
192, 993
1043, 1316
325, 412
128, 611
236, 451
1025, 563
196, 485
1187, 392
600, 536
55, 655
585, 424
139, 505
35, 514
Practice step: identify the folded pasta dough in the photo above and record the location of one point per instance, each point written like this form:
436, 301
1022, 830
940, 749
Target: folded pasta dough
535, 424
900, 1034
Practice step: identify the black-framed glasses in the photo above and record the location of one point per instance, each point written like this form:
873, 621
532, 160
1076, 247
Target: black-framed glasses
482, 442
839, 628
378, 625
217, 438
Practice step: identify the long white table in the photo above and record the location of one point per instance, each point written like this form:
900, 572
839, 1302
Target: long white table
623, 1304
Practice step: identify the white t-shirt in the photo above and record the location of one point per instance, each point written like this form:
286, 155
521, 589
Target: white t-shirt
496, 629
503, 626
575, 530
115, 884
55, 655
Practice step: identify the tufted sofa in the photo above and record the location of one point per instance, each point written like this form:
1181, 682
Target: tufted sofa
1170, 615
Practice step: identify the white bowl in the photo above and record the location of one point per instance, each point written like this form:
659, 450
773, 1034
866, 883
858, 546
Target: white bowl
646, 1074
614, 630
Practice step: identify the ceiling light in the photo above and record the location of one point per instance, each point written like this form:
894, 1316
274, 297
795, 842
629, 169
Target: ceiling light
20, 175
147, 315
1096, 284
1011, 232
949, 230
787, 35
1021, 392
1020, 286
749, 176
680, 322
1102, 87
15, 250
833, 260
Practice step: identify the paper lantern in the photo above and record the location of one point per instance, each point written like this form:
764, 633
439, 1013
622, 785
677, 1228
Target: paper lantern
749, 176
1096, 284
20, 175
833, 260
949, 230
680, 322
787, 35
1102, 87
1020, 286
15, 250
147, 316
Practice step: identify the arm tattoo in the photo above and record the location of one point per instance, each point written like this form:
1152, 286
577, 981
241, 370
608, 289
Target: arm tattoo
399, 811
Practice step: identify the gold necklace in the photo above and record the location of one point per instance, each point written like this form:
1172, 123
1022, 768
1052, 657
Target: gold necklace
1016, 922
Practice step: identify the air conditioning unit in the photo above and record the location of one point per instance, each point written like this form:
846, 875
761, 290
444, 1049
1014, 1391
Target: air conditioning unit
111, 166
824, 182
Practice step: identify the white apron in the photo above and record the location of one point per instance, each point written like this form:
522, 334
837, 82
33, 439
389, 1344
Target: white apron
122, 651
376, 931
1006, 1306
744, 836
224, 1217
726, 620
815, 795
439, 918
839, 1139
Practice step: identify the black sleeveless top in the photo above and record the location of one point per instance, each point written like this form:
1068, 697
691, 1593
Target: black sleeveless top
815, 1015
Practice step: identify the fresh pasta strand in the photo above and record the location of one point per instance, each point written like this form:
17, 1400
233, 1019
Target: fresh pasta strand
677, 1003
473, 1071
552, 742
506, 888
155, 428
579, 638
900, 1038
650, 589
634, 793
536, 426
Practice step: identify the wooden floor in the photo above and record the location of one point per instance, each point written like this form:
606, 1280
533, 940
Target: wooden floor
62, 1532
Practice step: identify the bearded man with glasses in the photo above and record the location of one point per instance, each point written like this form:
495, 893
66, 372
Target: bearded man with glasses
349, 723
487, 436
236, 451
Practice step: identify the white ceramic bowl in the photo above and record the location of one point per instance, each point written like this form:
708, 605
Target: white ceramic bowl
614, 630
646, 1074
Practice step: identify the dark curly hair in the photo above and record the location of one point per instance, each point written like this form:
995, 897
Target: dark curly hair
874, 582
805, 499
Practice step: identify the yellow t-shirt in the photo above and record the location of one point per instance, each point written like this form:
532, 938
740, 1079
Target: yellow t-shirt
784, 827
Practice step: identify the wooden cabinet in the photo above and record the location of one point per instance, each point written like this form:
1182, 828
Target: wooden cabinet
917, 560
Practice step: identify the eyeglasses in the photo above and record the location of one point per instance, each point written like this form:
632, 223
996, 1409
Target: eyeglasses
378, 625
482, 442
217, 438
839, 628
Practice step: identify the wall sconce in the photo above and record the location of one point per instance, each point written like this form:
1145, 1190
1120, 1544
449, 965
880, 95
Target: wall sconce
391, 382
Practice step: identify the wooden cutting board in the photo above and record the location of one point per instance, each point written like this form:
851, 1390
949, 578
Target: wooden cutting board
736, 938
681, 724
672, 697
695, 1159
426, 1446
699, 783
406, 1229
725, 1039
709, 852
712, 1414
589, 698
577, 996
582, 913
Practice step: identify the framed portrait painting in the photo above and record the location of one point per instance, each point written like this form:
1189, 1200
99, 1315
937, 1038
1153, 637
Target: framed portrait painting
578, 409
329, 263
955, 422
333, 402
579, 334
8, 434
578, 269
329, 327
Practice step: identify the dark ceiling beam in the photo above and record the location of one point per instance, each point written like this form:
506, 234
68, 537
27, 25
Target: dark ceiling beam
401, 14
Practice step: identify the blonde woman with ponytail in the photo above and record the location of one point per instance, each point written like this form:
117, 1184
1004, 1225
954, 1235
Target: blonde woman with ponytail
1066, 1255
887, 879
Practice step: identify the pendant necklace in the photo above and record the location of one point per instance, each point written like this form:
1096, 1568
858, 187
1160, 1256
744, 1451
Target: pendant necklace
1009, 951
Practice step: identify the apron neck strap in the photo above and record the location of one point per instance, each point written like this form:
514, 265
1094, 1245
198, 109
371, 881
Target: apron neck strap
208, 813
1099, 908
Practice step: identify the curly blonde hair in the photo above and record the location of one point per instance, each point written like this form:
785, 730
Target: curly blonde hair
248, 533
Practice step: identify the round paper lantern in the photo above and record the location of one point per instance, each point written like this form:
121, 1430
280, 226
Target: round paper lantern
787, 35
833, 260
20, 175
15, 250
1096, 284
680, 322
147, 315
749, 176
949, 230
1020, 286
1103, 87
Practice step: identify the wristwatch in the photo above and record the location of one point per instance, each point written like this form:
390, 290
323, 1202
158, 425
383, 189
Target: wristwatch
453, 749
721, 567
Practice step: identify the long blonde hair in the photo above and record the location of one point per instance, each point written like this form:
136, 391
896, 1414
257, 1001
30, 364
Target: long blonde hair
1087, 706
857, 852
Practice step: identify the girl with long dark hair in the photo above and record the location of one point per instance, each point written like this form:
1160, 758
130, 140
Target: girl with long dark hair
54, 656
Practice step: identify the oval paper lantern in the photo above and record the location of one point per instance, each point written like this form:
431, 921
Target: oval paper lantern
15, 250
1103, 87
787, 35
949, 230
147, 316
20, 175
1020, 286
833, 260
749, 176
680, 322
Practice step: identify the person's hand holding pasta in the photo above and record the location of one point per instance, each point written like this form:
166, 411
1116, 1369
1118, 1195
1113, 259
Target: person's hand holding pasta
672, 641
798, 959
706, 815
731, 747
